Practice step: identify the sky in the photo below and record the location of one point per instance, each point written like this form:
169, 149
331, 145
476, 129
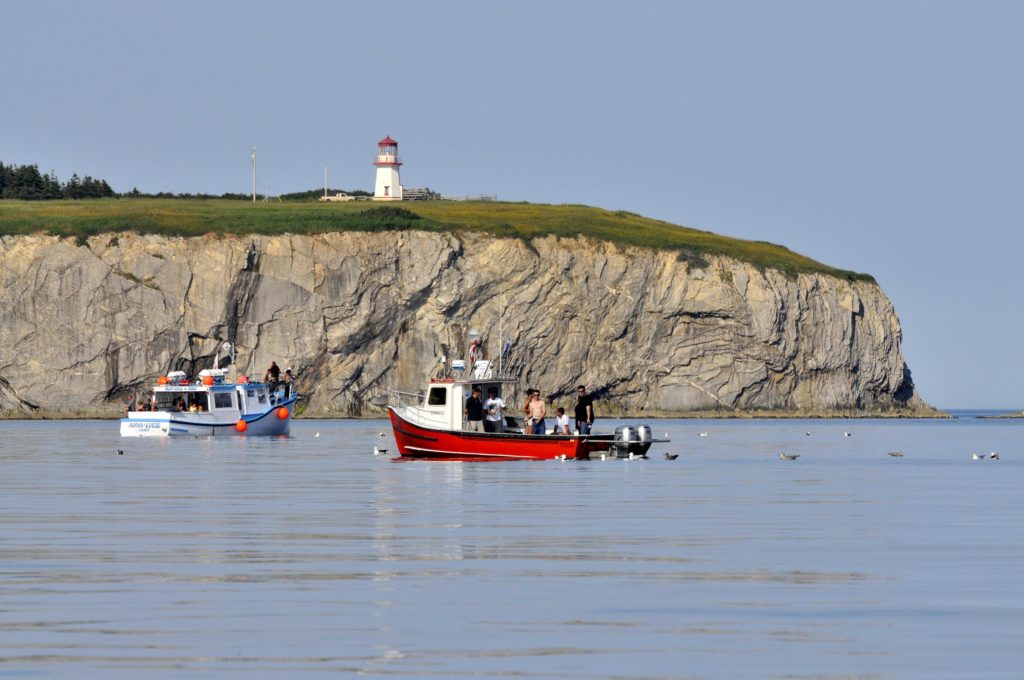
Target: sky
880, 137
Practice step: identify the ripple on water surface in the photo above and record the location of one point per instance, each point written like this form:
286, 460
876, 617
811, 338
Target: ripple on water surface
312, 555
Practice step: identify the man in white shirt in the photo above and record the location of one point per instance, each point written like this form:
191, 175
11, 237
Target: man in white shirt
494, 412
561, 421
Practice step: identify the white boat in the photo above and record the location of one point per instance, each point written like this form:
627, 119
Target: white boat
212, 406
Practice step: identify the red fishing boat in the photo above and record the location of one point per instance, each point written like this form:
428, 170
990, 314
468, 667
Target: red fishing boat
431, 426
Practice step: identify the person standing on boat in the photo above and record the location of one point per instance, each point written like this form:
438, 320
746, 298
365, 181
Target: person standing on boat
474, 412
273, 374
584, 410
287, 379
494, 421
561, 421
538, 411
527, 420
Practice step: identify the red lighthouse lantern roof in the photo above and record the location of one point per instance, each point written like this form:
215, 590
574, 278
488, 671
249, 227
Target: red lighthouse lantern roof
387, 141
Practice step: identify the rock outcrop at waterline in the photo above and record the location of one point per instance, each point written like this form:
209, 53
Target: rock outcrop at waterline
82, 325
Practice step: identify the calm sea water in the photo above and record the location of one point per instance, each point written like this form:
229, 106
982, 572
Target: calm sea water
310, 556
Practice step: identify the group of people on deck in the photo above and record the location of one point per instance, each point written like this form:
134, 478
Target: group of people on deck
489, 415
276, 379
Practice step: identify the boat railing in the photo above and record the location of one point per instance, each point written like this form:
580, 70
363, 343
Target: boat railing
405, 399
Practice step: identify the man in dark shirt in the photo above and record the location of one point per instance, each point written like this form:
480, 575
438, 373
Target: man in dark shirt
474, 412
584, 410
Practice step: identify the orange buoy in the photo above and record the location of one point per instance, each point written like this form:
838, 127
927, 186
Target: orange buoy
282, 413
163, 380
241, 426
207, 379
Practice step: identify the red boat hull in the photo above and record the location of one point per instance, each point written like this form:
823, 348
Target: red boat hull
415, 441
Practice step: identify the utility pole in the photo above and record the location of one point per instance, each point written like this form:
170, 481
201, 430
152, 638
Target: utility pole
325, 180
253, 174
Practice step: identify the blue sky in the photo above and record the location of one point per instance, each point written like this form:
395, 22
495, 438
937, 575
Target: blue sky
883, 137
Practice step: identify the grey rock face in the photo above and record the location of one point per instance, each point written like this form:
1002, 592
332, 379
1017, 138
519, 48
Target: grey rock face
360, 314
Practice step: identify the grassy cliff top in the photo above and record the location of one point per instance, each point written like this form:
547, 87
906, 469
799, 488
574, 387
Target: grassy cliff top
184, 217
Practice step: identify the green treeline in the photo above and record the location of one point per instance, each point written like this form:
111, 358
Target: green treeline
25, 182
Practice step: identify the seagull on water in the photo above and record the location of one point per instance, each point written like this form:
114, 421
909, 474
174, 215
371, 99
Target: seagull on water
807, 433
379, 452
977, 456
993, 456
380, 434
703, 434
317, 434
896, 454
847, 434
788, 456
120, 452
637, 456
671, 456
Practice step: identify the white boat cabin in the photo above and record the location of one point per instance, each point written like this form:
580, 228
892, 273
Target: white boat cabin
177, 394
443, 404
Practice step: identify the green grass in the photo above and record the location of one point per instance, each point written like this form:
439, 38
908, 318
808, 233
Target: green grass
526, 221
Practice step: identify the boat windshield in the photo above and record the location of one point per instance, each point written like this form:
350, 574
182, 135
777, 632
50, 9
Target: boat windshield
181, 401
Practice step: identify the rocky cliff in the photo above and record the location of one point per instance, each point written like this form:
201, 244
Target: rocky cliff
82, 324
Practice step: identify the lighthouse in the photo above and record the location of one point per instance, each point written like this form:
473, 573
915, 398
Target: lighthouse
388, 186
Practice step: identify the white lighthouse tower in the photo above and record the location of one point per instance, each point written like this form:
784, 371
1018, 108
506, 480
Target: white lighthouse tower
388, 186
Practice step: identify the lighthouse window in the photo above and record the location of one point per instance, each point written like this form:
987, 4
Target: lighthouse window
386, 190
438, 396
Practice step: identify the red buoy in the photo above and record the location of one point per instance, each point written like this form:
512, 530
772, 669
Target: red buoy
163, 380
207, 379
241, 426
282, 413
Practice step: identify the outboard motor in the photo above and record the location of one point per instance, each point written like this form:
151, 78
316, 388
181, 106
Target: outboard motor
632, 440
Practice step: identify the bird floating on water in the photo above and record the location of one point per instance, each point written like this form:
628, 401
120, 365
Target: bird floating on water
847, 434
977, 456
120, 452
379, 452
317, 434
380, 434
788, 456
637, 456
703, 434
993, 456
671, 456
896, 454
807, 433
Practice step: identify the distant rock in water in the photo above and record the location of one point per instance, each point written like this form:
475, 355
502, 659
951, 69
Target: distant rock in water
359, 314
